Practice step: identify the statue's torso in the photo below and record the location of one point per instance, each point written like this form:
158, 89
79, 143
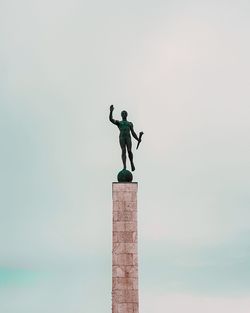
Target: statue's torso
124, 127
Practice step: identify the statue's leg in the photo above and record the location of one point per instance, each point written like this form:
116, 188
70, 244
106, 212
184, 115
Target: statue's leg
130, 154
123, 147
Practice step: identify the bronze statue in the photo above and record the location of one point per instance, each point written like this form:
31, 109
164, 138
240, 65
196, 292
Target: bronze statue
125, 128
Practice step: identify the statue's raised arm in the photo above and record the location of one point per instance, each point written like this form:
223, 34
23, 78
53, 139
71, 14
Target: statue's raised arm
111, 115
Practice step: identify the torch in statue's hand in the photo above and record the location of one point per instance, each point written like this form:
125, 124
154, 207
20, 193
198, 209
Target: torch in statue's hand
139, 141
111, 108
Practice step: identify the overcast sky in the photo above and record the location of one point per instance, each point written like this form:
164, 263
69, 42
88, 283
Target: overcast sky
181, 70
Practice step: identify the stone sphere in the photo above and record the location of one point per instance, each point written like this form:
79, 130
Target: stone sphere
124, 176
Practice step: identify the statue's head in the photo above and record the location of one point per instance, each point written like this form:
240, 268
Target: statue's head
124, 115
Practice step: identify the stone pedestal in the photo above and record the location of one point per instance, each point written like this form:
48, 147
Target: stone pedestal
124, 253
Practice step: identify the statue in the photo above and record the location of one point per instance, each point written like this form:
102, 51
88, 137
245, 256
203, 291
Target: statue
125, 128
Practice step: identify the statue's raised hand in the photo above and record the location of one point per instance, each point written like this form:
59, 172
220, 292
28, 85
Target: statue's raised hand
111, 108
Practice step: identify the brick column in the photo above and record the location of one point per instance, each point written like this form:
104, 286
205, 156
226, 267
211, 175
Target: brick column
124, 253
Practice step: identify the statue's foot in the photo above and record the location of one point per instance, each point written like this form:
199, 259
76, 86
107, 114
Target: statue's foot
132, 167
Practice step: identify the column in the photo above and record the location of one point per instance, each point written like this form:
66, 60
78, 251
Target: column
124, 250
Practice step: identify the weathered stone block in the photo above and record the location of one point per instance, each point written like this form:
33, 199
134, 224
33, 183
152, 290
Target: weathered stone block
125, 187
124, 205
135, 259
124, 247
124, 283
118, 271
125, 296
123, 259
124, 226
125, 216
130, 271
128, 196
127, 308
124, 236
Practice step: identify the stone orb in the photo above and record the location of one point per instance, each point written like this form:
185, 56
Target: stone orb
124, 176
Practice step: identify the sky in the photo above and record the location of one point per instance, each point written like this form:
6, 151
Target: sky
181, 70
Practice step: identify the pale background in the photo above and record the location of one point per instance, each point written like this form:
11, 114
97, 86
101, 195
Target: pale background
181, 70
